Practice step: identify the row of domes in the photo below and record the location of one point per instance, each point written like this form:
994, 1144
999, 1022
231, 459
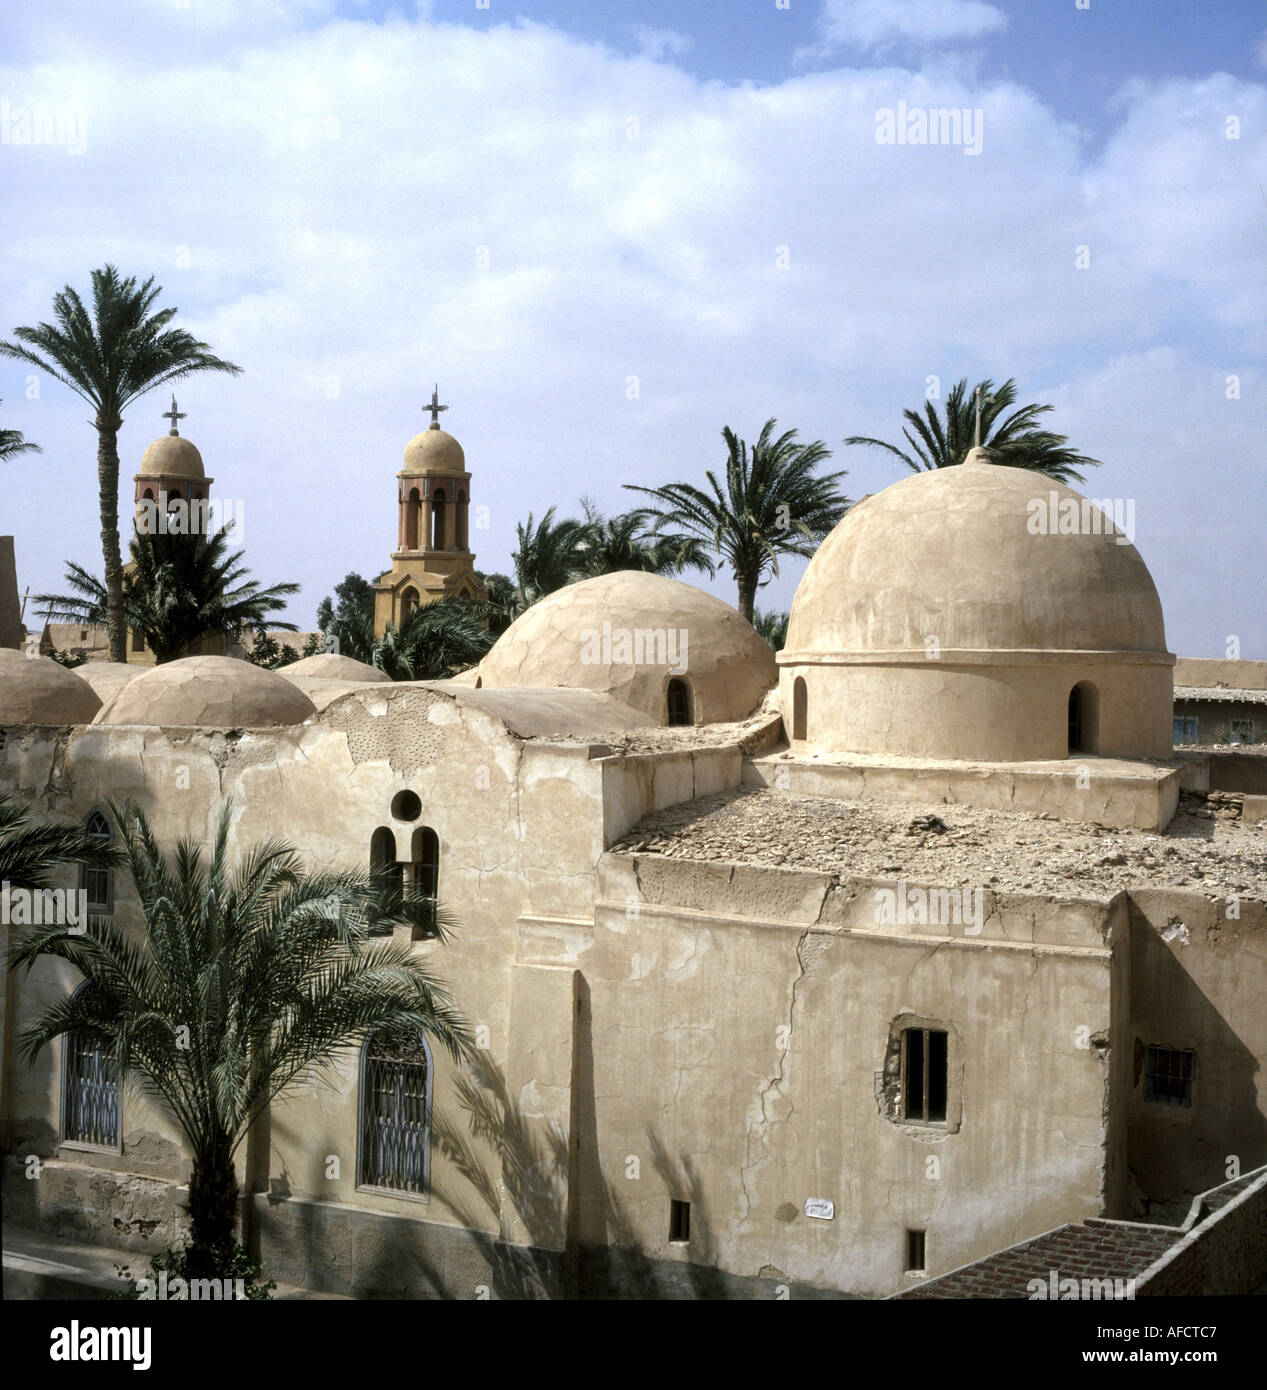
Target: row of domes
950, 554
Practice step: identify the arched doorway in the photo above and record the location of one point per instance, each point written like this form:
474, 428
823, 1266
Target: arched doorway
1084, 712
679, 701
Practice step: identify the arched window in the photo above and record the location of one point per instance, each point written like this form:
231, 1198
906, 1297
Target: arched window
90, 1090
408, 604
438, 504
383, 853
800, 708
425, 857
394, 1122
462, 542
97, 883
1084, 733
679, 700
138, 641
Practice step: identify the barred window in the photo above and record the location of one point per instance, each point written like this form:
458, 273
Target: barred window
1240, 731
1168, 1075
97, 883
924, 1075
395, 1118
90, 1092
1185, 728
426, 861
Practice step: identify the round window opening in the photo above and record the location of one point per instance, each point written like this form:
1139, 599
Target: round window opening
406, 806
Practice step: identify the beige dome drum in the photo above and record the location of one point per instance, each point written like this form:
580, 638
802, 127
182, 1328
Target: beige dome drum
958, 614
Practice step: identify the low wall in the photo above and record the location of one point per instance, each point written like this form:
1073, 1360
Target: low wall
1238, 772
1223, 1255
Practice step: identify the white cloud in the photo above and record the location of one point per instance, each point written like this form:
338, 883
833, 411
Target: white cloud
869, 24
317, 210
658, 44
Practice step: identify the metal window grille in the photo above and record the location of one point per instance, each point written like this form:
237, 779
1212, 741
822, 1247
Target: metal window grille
924, 1075
1241, 731
396, 1115
1185, 728
91, 1095
1168, 1076
426, 848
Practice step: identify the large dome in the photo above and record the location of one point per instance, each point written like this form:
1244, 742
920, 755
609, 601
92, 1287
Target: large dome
981, 613
629, 635
209, 692
434, 451
950, 554
36, 690
171, 456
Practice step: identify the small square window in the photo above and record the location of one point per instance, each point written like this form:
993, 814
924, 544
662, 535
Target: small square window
679, 1222
915, 1257
1240, 731
1168, 1075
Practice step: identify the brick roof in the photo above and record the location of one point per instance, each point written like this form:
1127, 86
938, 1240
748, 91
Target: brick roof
1091, 1249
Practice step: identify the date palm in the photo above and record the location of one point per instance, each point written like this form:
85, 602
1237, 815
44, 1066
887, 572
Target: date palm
626, 542
1014, 442
13, 442
111, 356
240, 983
180, 590
434, 641
30, 850
772, 502
551, 554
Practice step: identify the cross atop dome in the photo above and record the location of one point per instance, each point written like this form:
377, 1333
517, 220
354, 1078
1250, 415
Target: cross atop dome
435, 407
173, 415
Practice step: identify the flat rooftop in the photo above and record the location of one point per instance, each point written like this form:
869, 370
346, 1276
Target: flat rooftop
1204, 848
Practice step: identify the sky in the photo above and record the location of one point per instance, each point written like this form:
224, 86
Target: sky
609, 230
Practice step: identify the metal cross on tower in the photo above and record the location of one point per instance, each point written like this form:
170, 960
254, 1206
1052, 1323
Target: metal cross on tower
173, 415
435, 407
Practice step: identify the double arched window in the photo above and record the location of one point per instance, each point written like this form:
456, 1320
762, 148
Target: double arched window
394, 1119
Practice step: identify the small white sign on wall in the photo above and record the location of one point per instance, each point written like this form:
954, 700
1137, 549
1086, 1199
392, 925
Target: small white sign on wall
820, 1207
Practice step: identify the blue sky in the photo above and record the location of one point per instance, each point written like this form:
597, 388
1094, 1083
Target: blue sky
539, 204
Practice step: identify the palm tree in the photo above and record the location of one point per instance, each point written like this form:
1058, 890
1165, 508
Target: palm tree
180, 589
111, 357
243, 983
773, 627
30, 850
503, 600
12, 443
773, 503
1016, 442
434, 641
551, 554
627, 543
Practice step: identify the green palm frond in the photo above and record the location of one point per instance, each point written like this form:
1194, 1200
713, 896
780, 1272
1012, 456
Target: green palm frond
1016, 441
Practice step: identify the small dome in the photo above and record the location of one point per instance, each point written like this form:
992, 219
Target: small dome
36, 690
326, 666
628, 635
973, 556
208, 692
434, 451
107, 678
171, 456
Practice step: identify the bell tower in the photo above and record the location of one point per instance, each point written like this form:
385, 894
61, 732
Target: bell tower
433, 558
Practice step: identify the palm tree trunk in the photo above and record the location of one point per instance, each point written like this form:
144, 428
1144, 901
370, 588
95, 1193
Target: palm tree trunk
747, 595
108, 501
213, 1208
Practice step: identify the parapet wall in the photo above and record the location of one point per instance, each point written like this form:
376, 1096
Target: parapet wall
1224, 1254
